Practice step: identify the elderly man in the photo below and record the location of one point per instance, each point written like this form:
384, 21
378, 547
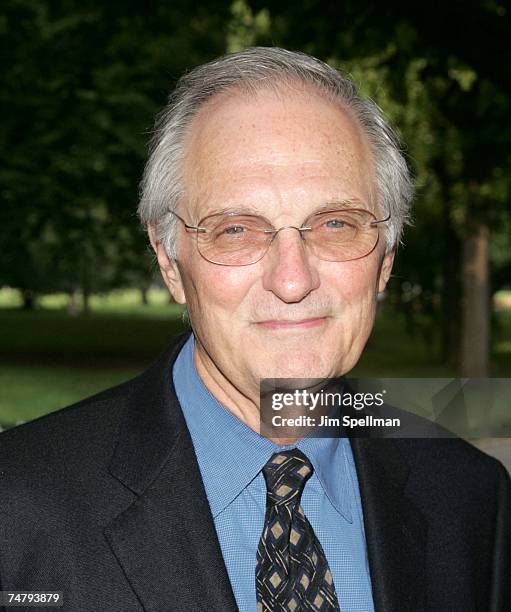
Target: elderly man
274, 197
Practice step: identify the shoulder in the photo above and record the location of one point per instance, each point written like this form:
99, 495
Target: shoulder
446, 453
83, 433
436, 456
452, 471
54, 475
82, 436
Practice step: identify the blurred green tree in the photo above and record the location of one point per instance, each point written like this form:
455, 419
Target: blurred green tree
80, 83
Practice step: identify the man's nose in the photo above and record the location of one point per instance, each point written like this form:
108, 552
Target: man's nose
288, 272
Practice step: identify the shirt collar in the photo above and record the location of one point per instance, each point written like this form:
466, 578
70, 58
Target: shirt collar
230, 454
330, 457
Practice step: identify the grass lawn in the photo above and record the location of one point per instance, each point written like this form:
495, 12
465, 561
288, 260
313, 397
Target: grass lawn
49, 359
28, 392
98, 339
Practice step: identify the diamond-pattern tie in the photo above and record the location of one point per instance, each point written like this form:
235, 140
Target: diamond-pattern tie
292, 572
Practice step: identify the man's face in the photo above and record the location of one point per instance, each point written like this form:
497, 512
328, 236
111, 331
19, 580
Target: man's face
290, 315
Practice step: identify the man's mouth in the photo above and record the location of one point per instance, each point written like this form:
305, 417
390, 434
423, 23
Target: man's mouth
291, 324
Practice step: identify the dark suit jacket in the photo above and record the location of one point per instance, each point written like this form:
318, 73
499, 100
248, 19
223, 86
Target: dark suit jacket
104, 501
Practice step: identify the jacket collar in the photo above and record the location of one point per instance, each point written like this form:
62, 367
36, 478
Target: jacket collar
152, 423
396, 531
165, 541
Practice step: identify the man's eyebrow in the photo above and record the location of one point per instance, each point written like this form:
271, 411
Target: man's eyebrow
339, 204
344, 203
241, 210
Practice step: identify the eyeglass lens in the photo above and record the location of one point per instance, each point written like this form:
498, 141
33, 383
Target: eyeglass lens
339, 235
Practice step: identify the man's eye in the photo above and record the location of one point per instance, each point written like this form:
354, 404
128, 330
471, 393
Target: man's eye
234, 229
335, 224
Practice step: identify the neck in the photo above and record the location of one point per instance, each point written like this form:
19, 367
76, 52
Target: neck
241, 405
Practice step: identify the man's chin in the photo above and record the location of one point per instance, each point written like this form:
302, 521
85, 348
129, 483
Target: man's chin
297, 367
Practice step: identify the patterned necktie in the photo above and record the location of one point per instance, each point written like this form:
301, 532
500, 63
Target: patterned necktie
292, 572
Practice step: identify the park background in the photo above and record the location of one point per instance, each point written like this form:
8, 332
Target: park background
81, 304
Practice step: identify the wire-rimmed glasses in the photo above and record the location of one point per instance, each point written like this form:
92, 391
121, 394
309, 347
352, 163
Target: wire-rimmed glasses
237, 239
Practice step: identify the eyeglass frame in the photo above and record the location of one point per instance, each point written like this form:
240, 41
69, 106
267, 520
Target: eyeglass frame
198, 229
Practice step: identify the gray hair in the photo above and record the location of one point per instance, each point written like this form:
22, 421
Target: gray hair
251, 70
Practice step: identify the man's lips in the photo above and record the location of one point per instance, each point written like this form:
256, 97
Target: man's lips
292, 323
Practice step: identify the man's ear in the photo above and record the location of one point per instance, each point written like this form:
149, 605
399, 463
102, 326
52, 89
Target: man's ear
385, 270
168, 268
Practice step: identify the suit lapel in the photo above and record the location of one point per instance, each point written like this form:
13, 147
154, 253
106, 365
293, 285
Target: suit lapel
395, 529
165, 541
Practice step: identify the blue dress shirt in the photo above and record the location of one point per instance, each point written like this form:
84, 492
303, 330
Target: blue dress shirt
231, 456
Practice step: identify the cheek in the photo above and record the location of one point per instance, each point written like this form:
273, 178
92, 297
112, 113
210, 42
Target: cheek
217, 291
356, 283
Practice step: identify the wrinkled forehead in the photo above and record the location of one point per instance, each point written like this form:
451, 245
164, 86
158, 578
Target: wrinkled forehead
274, 149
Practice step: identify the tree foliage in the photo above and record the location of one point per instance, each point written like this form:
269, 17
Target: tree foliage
80, 84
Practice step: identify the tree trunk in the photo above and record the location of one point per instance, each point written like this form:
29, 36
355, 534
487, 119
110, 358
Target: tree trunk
451, 272
85, 298
475, 332
451, 290
28, 297
72, 305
